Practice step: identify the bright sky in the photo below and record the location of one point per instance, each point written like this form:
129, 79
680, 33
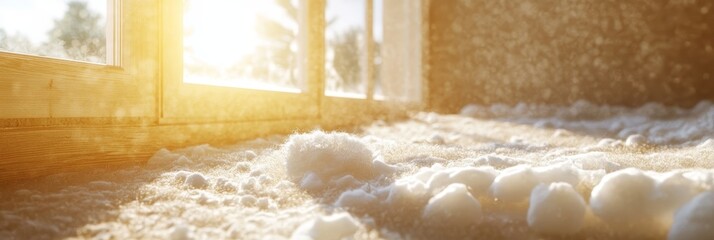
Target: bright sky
221, 32
211, 44
352, 13
377, 20
34, 18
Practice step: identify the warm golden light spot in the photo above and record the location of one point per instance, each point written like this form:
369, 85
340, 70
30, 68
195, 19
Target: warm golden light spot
246, 44
220, 33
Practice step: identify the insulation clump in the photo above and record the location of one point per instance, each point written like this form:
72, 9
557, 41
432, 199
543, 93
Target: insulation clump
407, 192
324, 157
336, 226
477, 179
514, 184
635, 140
623, 197
556, 209
163, 158
357, 198
695, 220
454, 206
196, 180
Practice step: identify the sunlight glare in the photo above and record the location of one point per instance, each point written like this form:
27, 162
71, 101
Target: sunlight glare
221, 31
247, 44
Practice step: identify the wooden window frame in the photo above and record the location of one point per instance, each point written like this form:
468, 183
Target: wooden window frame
36, 90
59, 115
143, 83
335, 105
186, 102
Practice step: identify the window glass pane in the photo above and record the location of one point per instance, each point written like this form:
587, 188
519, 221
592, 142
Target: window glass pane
249, 44
398, 57
71, 29
345, 47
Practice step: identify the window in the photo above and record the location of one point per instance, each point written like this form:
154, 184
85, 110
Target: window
346, 48
376, 51
377, 44
119, 87
69, 29
211, 61
289, 59
236, 61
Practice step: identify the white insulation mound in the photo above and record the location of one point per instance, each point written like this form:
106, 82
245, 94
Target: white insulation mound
493, 172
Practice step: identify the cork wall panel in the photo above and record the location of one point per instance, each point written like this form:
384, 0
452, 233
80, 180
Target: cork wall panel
548, 51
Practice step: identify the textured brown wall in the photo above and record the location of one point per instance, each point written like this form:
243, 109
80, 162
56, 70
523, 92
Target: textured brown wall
553, 51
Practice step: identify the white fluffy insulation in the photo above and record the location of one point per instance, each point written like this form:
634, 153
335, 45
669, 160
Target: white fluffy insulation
556, 208
493, 172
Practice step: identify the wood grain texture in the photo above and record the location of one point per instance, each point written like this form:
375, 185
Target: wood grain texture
60, 116
74, 121
39, 87
32, 152
206, 103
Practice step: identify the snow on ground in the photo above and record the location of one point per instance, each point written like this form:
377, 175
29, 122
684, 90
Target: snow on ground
494, 172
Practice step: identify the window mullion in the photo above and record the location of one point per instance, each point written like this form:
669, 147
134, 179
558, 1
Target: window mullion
113, 29
369, 41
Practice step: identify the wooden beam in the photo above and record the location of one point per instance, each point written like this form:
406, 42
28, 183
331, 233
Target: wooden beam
33, 152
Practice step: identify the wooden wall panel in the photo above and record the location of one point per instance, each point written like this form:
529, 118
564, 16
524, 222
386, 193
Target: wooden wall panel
32, 152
